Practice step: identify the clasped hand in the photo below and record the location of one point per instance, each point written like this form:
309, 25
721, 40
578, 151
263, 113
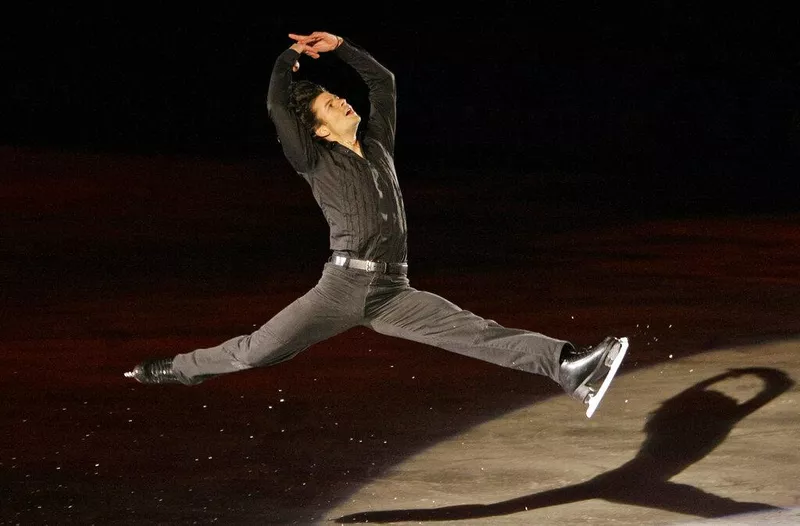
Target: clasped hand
315, 43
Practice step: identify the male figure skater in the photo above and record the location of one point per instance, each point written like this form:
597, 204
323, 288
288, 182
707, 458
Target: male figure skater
352, 176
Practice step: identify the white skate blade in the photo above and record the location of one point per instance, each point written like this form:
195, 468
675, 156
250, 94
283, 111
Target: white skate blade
597, 397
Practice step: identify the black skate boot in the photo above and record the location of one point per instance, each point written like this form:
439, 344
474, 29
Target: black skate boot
158, 371
585, 374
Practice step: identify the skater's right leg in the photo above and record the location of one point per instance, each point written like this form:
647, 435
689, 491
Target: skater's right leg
334, 305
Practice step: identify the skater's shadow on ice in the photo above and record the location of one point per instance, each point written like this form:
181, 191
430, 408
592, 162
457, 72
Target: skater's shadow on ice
686, 428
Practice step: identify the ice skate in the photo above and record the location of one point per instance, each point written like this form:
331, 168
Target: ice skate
586, 374
157, 371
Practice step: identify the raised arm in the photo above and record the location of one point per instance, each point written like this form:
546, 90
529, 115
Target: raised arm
378, 79
296, 142
382, 92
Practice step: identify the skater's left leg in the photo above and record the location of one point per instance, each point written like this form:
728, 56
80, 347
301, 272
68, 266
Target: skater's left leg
395, 309
433, 320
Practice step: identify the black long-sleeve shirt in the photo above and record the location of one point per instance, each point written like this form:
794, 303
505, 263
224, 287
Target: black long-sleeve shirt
359, 197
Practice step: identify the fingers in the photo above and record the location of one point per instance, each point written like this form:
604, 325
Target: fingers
316, 35
305, 49
310, 51
309, 43
305, 39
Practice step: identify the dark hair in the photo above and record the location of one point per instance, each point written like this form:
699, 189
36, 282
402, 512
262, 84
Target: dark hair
301, 95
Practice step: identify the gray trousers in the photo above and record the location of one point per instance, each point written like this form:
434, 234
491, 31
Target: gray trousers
345, 298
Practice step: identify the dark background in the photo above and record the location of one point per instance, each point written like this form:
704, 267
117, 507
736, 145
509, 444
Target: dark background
646, 97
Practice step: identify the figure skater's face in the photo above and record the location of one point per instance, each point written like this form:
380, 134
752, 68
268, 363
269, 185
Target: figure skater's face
337, 116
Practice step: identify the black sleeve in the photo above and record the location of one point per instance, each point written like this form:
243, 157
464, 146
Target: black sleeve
382, 92
295, 140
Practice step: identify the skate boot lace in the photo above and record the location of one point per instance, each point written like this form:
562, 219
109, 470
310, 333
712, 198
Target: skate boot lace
161, 371
157, 371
